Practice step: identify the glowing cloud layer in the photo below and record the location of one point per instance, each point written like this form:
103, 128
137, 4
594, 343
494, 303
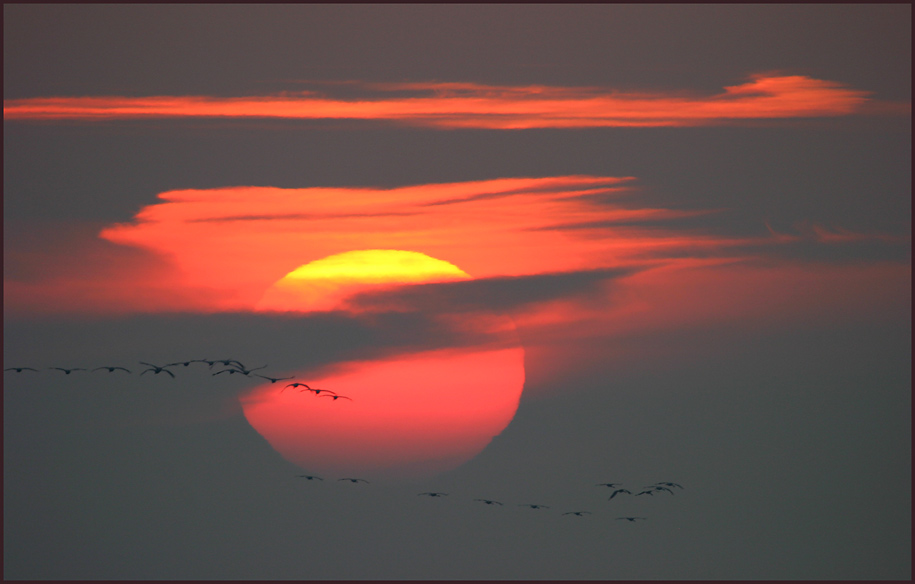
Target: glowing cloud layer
236, 242
467, 105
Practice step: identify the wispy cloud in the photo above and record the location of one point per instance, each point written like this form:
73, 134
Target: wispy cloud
469, 105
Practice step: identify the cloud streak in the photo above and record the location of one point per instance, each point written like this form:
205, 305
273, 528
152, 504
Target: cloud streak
469, 105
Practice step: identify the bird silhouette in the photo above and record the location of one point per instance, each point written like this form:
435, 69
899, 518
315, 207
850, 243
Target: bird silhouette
185, 363
156, 369
244, 371
488, 501
657, 488
67, 371
310, 477
670, 485
273, 379
618, 491
112, 369
433, 494
333, 397
319, 390
532, 506
578, 513
646, 493
631, 519
229, 371
610, 485
20, 369
354, 480
296, 384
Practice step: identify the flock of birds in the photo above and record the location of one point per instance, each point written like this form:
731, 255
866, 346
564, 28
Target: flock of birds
648, 490
235, 367
231, 366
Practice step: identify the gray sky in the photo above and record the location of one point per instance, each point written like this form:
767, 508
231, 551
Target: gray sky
767, 371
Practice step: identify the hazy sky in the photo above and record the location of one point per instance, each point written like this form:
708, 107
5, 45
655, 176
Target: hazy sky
678, 246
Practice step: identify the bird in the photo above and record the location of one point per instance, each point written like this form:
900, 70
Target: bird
229, 371
67, 371
319, 390
112, 369
532, 506
610, 485
671, 485
657, 488
433, 494
631, 519
488, 502
156, 369
20, 369
244, 371
310, 477
646, 493
273, 379
335, 397
618, 491
296, 384
354, 480
578, 513
185, 363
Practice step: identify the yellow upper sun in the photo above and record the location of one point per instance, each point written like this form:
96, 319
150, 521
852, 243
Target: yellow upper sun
325, 283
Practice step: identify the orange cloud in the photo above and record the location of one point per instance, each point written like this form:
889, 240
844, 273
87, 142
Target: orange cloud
239, 241
467, 105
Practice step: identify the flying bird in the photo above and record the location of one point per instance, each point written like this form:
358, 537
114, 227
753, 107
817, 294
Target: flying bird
20, 369
657, 488
310, 477
333, 397
296, 384
631, 519
156, 369
488, 502
229, 371
610, 485
112, 369
244, 371
671, 485
646, 493
433, 494
67, 371
578, 513
618, 491
532, 506
273, 379
354, 480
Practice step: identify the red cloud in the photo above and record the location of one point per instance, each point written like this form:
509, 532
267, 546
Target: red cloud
466, 105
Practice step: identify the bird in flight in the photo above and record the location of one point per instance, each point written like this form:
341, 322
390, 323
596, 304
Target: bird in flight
297, 384
578, 513
671, 485
310, 477
657, 488
229, 371
112, 369
433, 494
273, 379
156, 369
618, 491
488, 502
244, 371
646, 493
532, 506
67, 371
354, 480
631, 519
333, 397
610, 485
20, 369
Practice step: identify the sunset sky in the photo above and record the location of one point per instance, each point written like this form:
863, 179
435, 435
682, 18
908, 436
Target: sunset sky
526, 249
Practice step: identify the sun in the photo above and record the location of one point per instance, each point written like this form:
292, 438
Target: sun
405, 416
325, 284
